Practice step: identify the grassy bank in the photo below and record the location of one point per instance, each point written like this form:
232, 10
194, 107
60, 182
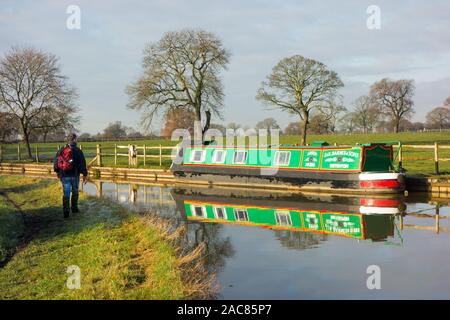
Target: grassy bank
11, 228
120, 255
415, 160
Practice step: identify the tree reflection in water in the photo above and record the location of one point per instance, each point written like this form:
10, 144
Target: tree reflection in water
299, 240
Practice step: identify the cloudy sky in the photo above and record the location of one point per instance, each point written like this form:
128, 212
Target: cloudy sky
105, 54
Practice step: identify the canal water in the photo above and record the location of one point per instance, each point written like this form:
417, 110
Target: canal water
287, 246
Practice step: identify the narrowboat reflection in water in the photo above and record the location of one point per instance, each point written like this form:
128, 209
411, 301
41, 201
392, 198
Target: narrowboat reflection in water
359, 218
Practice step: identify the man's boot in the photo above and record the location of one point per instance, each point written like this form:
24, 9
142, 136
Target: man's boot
75, 203
66, 207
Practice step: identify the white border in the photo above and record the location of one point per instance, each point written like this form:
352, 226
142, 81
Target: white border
194, 214
203, 155
378, 210
276, 159
214, 160
236, 216
284, 213
224, 211
379, 176
245, 158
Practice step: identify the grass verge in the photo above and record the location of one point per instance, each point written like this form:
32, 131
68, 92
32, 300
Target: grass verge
120, 255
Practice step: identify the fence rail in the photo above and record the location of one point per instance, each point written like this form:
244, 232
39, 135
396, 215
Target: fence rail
133, 157
435, 151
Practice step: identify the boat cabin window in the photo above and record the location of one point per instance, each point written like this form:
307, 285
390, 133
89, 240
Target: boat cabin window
220, 213
219, 156
282, 158
198, 211
198, 155
283, 218
241, 214
240, 157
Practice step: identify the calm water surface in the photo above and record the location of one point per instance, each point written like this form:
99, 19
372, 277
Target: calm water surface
265, 246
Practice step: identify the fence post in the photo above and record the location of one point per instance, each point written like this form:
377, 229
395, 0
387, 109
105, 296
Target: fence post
437, 218
145, 154
115, 154
436, 158
37, 153
137, 156
18, 151
1, 153
99, 155
160, 155
400, 156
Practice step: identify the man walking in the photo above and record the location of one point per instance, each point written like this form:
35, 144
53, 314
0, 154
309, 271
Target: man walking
69, 163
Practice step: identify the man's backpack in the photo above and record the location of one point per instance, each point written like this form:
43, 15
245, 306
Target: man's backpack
65, 159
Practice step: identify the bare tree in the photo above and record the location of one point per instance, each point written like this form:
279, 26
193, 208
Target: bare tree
8, 126
55, 119
394, 99
293, 128
267, 124
234, 126
365, 114
330, 112
32, 88
318, 124
447, 102
181, 70
115, 130
438, 118
348, 122
178, 119
298, 85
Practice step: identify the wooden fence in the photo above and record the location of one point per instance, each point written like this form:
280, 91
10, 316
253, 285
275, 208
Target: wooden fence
145, 154
141, 153
437, 227
434, 150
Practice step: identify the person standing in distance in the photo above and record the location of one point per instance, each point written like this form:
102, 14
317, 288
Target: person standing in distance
68, 164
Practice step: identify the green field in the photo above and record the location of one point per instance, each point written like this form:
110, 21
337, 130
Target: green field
414, 160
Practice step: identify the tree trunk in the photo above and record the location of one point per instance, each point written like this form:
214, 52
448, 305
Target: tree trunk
198, 130
304, 126
397, 125
208, 122
26, 139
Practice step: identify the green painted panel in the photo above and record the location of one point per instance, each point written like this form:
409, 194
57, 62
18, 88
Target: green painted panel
261, 216
311, 159
339, 159
343, 224
255, 157
312, 221
378, 158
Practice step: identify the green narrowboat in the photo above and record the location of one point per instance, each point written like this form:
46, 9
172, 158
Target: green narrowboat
356, 169
359, 218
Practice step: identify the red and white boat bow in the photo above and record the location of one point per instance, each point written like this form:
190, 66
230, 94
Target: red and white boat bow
380, 206
382, 180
